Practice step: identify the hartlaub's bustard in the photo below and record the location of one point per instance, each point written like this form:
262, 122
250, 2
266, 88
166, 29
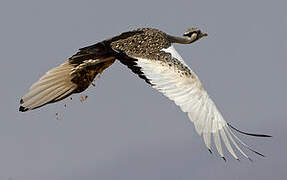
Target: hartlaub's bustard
149, 53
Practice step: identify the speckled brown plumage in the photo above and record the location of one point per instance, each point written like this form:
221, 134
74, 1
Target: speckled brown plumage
144, 44
148, 44
128, 48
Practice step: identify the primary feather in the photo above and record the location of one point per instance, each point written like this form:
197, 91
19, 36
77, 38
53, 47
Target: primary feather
186, 90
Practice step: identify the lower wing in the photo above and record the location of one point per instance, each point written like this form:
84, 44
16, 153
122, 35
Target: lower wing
167, 72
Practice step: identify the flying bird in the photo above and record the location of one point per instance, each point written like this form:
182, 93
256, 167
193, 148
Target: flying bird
150, 54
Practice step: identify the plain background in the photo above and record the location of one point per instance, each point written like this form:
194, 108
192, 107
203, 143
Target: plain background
126, 130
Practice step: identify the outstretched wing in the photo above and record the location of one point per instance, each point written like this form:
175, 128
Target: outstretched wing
73, 76
168, 73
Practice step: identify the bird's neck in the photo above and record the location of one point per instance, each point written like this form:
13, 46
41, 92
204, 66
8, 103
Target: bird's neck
180, 40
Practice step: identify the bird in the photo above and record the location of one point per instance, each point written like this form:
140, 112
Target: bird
150, 54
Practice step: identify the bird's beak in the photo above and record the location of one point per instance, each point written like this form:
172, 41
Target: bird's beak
202, 35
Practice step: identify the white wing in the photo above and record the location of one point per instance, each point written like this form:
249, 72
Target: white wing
180, 84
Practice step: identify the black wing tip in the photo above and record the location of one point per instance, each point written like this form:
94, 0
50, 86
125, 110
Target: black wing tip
223, 158
23, 109
249, 134
210, 151
258, 153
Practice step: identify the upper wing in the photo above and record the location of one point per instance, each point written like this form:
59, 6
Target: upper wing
168, 73
73, 76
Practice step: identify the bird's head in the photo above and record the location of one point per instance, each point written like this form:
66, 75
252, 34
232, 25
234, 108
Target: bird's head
194, 34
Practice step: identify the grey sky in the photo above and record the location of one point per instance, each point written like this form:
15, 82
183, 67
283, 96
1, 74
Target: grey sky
126, 130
